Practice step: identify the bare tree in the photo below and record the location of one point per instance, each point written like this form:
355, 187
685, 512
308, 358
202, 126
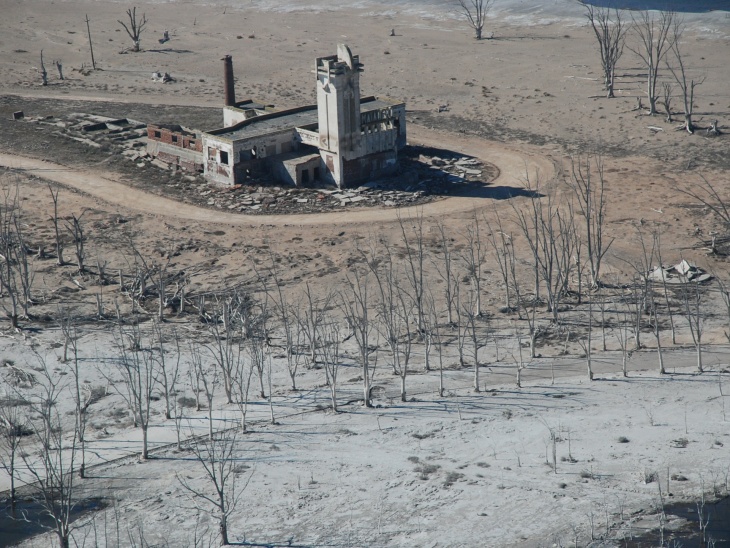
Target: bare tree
404, 340
311, 319
139, 375
169, 368
624, 323
395, 310
82, 395
692, 297
519, 359
474, 257
501, 244
585, 344
470, 314
386, 306
656, 329
51, 468
356, 308
79, 239
708, 195
679, 70
208, 378
654, 41
588, 183
54, 219
257, 357
135, 27
237, 318
21, 259
665, 289
462, 326
10, 284
725, 294
414, 265
434, 329
226, 350
445, 270
526, 306
549, 231
223, 493
43, 72
642, 284
610, 30
331, 357
289, 325
242, 381
475, 12
59, 68
13, 428
667, 90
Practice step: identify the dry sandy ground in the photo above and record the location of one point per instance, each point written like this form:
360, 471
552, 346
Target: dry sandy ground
346, 480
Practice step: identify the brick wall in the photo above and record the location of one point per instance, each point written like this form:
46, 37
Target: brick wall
174, 138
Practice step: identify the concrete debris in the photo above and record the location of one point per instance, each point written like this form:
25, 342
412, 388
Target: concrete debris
162, 77
424, 176
680, 273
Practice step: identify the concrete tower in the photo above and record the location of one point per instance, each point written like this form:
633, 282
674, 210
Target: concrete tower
338, 108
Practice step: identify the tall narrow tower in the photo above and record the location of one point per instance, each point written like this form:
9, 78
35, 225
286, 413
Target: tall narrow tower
338, 106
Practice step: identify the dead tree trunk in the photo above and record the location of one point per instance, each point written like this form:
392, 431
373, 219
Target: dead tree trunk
610, 32
679, 71
44, 74
654, 40
135, 28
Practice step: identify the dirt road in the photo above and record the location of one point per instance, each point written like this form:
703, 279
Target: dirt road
511, 163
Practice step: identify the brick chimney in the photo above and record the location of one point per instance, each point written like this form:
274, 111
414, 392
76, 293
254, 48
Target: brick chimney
228, 84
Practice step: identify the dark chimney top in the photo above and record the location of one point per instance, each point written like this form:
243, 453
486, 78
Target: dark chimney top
228, 84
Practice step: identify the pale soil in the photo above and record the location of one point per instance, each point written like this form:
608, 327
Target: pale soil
528, 98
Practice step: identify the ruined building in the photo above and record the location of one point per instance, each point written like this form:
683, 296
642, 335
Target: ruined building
343, 139
175, 145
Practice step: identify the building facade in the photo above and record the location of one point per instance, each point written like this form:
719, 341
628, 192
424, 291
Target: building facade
343, 139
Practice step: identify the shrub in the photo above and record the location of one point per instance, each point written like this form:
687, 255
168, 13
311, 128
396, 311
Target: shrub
649, 476
425, 470
186, 401
451, 478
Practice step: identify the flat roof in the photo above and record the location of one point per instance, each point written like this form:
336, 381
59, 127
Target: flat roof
286, 119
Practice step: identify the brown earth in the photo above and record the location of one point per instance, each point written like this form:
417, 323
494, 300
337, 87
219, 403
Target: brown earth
525, 101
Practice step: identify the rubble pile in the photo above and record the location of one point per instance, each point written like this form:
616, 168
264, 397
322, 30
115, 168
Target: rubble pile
680, 273
99, 131
426, 174
423, 178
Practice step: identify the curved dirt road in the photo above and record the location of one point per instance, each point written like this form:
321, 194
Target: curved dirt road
512, 166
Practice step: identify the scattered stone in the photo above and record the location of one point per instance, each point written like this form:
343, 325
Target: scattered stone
680, 273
